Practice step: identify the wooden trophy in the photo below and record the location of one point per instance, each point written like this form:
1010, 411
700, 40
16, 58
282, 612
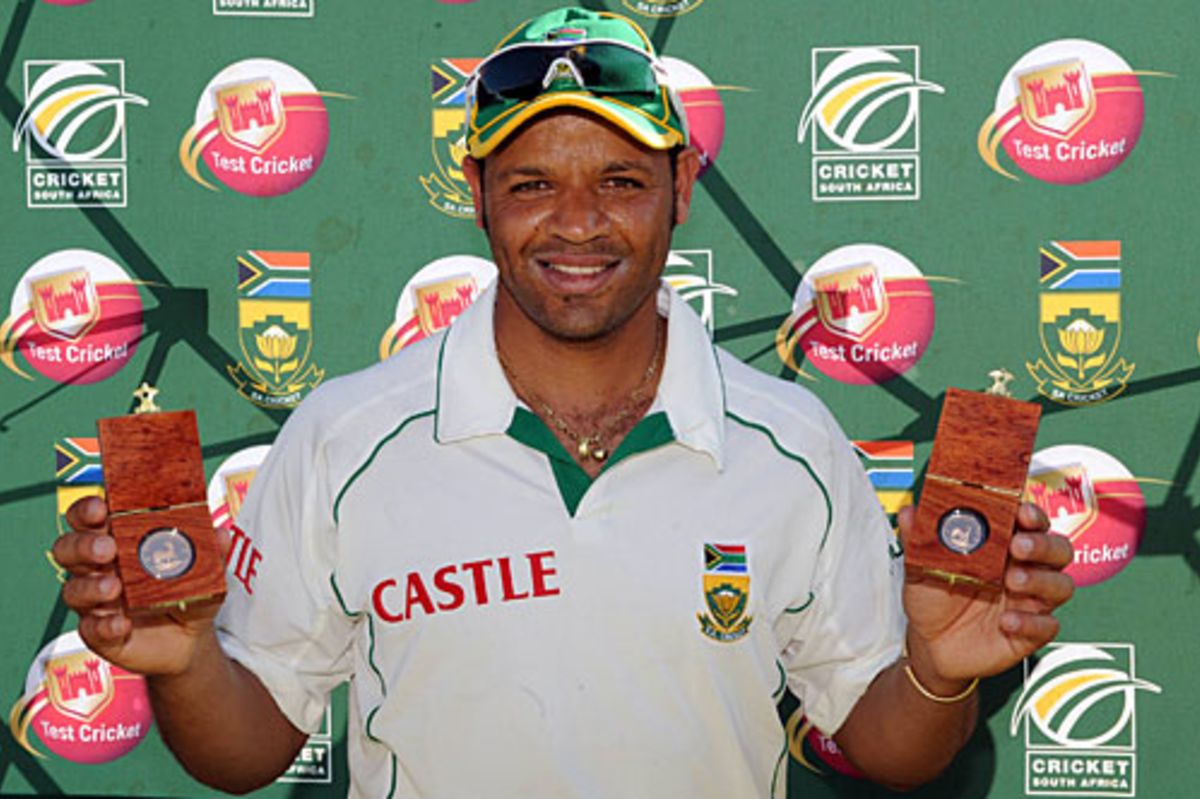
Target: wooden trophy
973, 488
167, 551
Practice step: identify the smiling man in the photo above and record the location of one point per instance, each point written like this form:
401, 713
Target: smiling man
568, 548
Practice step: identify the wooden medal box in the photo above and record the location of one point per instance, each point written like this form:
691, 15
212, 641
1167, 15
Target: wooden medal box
973, 487
167, 551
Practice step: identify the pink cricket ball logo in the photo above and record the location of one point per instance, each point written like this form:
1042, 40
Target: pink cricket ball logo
702, 105
79, 705
863, 314
434, 297
260, 128
75, 317
1092, 499
1068, 111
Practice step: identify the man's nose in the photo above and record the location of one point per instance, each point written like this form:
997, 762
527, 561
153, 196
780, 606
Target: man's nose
578, 215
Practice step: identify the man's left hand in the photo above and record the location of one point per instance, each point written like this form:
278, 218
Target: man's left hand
961, 631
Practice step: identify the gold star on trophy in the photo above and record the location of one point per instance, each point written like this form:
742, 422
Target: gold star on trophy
145, 395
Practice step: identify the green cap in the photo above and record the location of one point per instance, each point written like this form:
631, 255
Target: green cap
653, 118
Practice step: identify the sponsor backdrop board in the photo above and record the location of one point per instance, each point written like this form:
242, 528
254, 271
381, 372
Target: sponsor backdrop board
218, 204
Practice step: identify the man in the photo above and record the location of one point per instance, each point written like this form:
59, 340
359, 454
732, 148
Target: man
567, 548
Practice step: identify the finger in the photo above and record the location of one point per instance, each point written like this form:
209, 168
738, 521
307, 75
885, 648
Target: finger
81, 553
104, 634
1044, 549
89, 513
1032, 518
1052, 588
905, 518
1031, 631
83, 594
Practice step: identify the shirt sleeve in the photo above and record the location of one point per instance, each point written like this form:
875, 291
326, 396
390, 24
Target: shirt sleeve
282, 618
853, 623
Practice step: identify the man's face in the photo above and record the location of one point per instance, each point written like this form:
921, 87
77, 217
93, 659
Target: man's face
579, 218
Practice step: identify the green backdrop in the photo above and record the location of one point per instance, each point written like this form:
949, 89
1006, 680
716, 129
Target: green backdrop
368, 222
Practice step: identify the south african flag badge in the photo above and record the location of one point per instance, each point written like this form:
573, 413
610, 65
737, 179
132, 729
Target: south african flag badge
726, 584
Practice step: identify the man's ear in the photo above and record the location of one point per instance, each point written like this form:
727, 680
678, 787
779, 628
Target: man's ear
687, 169
473, 172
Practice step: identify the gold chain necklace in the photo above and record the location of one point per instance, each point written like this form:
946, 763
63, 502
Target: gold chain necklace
591, 445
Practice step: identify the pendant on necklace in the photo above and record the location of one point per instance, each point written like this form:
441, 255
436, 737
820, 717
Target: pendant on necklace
586, 449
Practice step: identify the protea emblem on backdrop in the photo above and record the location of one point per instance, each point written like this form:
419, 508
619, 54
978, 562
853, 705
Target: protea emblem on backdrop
1080, 323
446, 185
274, 329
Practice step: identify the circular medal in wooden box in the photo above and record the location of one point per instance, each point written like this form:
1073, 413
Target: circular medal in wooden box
167, 551
973, 487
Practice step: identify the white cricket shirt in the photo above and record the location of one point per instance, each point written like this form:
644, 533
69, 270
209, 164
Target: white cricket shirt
513, 629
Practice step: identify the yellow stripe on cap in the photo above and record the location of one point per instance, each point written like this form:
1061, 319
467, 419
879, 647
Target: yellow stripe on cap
484, 142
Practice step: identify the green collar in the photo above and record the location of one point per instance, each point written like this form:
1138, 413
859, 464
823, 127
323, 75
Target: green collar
573, 482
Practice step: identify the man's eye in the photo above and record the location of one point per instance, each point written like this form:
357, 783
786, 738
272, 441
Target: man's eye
529, 185
622, 182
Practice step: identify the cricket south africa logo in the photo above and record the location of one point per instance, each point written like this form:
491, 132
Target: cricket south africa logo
863, 121
447, 185
1092, 499
1079, 323
1078, 713
1069, 111
264, 8
75, 317
726, 593
690, 272
83, 708
72, 124
434, 297
275, 329
260, 128
862, 314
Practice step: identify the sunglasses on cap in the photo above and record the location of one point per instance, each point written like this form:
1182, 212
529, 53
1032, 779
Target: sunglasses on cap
524, 71
624, 76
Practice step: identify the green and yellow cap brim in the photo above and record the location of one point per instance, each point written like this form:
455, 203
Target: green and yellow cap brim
640, 117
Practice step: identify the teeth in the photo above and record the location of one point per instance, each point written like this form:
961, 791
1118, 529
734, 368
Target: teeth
576, 270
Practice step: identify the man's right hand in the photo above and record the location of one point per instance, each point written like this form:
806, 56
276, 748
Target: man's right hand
160, 644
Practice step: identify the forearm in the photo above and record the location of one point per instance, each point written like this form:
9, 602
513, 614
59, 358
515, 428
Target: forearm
900, 738
221, 722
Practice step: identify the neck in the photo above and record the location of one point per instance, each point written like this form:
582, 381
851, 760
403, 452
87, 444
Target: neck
580, 376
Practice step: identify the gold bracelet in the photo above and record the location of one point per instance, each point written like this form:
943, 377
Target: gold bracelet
932, 697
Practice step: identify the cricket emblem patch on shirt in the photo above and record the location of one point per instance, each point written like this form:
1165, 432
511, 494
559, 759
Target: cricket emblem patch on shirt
726, 593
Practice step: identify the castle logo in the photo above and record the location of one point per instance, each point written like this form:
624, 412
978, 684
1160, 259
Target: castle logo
1078, 713
275, 329
1080, 323
661, 8
690, 272
1069, 111
260, 128
80, 706
264, 8
72, 124
726, 583
75, 317
862, 314
434, 297
447, 185
863, 121
1092, 499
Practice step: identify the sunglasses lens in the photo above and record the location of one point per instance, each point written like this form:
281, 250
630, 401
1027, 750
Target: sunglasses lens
520, 73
